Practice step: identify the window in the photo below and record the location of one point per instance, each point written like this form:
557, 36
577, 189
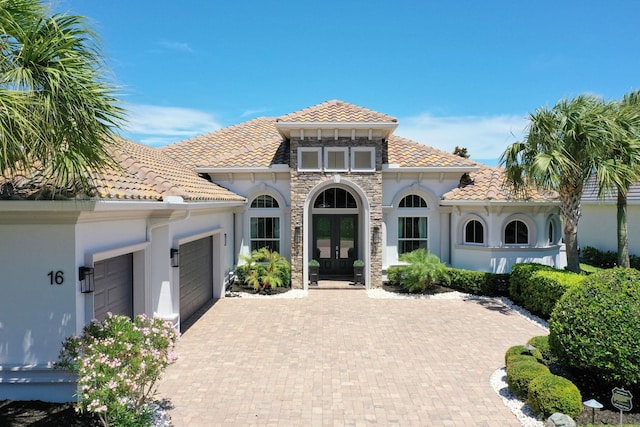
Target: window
474, 232
309, 158
413, 201
335, 159
551, 236
264, 201
363, 159
265, 233
337, 198
412, 234
516, 233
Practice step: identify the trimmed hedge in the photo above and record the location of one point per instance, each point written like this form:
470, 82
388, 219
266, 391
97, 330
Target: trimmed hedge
605, 259
514, 353
538, 287
550, 393
477, 282
541, 343
594, 326
520, 374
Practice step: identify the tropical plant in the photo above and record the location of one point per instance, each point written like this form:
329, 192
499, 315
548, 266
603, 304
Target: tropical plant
421, 271
59, 114
119, 363
620, 167
562, 148
266, 269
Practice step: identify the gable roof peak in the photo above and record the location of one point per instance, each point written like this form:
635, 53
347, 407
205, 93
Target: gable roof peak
336, 111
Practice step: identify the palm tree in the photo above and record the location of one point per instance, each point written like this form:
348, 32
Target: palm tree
620, 168
57, 112
562, 148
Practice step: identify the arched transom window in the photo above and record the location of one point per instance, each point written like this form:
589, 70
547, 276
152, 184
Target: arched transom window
516, 233
264, 201
335, 198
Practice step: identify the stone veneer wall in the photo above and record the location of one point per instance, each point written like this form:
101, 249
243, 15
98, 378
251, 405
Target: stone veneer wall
303, 182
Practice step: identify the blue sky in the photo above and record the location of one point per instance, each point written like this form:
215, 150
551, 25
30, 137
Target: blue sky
453, 72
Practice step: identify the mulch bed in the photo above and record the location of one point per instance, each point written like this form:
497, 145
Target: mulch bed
37, 413
237, 287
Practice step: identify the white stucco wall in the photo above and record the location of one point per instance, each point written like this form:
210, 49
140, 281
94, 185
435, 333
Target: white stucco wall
598, 226
35, 316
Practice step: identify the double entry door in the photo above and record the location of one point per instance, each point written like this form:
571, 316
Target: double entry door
335, 243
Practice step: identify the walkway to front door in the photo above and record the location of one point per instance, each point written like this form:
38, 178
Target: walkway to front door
342, 358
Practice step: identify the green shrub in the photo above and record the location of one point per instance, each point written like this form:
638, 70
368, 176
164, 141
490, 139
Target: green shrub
550, 393
605, 259
519, 350
422, 270
543, 289
393, 275
520, 274
477, 282
517, 358
264, 269
520, 374
594, 326
541, 343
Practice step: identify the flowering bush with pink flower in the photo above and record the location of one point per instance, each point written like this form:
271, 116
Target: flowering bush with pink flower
118, 363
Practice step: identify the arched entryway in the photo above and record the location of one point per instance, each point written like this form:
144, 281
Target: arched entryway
336, 217
335, 232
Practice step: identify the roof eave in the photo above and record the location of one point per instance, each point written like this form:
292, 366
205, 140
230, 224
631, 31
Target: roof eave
285, 128
491, 202
253, 169
394, 168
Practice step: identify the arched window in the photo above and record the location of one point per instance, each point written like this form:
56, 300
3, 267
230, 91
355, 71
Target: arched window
552, 239
413, 201
413, 230
516, 233
265, 229
335, 198
264, 201
474, 232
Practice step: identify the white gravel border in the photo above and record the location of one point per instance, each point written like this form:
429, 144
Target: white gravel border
517, 407
291, 294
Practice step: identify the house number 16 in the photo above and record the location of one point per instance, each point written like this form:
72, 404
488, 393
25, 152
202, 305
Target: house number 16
56, 277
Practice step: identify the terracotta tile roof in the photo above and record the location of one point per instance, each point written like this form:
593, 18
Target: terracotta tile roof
250, 144
148, 174
489, 184
407, 153
336, 111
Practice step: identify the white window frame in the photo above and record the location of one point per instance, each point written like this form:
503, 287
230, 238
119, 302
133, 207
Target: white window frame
345, 158
372, 153
403, 217
317, 150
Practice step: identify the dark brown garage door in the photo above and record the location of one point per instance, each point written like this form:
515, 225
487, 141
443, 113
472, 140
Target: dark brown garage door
196, 276
113, 287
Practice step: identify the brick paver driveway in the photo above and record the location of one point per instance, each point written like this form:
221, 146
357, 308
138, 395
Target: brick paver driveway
340, 358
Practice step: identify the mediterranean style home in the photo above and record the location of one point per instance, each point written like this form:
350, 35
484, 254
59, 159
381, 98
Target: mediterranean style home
162, 233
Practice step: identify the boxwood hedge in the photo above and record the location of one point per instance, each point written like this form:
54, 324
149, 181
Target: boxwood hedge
550, 393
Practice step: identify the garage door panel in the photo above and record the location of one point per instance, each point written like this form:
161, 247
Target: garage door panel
196, 276
113, 287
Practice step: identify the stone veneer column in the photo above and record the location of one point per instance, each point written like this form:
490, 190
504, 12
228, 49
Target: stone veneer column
369, 182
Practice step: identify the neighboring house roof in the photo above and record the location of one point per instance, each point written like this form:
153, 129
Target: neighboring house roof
336, 111
406, 153
255, 143
591, 188
144, 173
488, 184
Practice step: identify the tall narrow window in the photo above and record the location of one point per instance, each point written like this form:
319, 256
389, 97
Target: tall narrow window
265, 233
516, 233
551, 236
412, 234
474, 232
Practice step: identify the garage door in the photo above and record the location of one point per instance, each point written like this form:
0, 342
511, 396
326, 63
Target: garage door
113, 286
196, 276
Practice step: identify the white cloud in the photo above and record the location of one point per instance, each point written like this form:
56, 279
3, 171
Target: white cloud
253, 112
485, 137
157, 125
178, 46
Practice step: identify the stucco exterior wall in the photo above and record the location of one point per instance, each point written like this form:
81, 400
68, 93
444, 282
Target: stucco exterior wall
598, 226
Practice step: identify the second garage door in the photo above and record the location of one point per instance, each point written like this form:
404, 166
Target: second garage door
113, 287
196, 276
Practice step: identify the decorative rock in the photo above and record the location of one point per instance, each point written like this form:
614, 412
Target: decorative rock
560, 420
